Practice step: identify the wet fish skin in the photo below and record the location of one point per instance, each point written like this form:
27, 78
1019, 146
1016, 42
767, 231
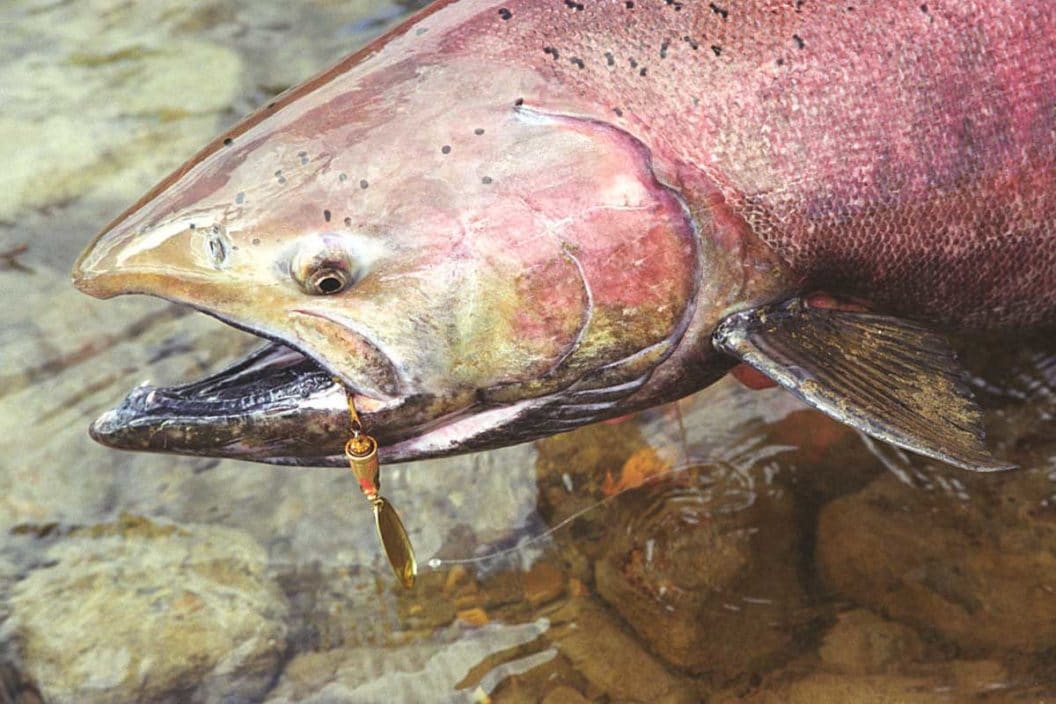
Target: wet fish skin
901, 152
898, 153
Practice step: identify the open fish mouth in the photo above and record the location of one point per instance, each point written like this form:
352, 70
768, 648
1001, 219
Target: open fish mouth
270, 406
280, 406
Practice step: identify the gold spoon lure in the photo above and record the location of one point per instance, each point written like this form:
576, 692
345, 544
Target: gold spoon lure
362, 453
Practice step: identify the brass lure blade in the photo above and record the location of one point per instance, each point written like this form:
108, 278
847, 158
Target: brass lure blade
396, 542
362, 453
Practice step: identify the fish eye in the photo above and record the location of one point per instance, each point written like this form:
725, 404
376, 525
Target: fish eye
323, 266
328, 280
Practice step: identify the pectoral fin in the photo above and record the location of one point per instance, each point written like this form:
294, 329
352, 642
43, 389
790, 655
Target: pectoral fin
890, 378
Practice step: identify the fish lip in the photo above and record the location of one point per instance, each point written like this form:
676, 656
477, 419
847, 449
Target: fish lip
477, 425
304, 409
182, 418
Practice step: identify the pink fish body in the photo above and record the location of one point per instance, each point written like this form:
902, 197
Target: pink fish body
505, 219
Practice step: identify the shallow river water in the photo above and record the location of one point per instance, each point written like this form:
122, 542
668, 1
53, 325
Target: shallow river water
735, 547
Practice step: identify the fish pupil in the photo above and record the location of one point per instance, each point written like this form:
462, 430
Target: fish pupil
330, 284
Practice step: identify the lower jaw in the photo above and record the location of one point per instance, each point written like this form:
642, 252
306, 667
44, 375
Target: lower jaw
315, 436
278, 406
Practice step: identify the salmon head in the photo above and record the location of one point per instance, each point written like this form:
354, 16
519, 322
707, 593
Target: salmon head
447, 239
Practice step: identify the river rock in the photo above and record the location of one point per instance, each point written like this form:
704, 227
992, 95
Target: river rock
612, 660
66, 363
573, 468
707, 574
578, 647
904, 683
424, 669
863, 643
169, 98
969, 558
700, 560
142, 611
564, 695
826, 688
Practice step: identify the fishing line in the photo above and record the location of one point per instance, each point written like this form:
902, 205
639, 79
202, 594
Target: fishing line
436, 563
682, 433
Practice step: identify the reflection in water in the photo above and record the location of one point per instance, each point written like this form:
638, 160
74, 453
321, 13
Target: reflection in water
735, 547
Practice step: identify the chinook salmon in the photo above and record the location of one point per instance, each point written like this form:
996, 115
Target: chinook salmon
504, 220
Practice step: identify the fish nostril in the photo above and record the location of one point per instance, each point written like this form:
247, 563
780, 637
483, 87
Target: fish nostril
218, 248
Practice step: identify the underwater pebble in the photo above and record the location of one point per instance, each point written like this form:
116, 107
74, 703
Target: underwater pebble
564, 695
863, 643
100, 144
542, 583
473, 617
423, 670
700, 565
53, 471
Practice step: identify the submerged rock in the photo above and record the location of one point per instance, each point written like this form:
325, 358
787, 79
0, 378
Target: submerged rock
702, 561
864, 658
564, 695
140, 611
102, 98
446, 667
808, 681
973, 563
706, 573
612, 661
864, 643
824, 688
